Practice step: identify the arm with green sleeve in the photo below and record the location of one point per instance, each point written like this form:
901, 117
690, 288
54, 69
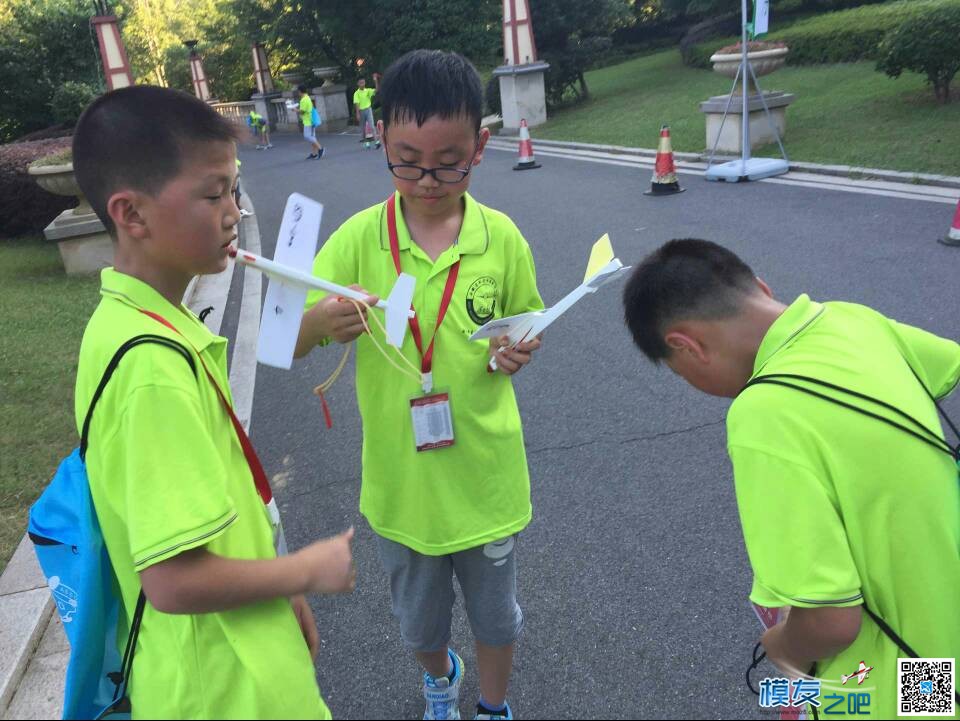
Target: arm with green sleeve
520, 293
934, 359
326, 318
176, 502
797, 545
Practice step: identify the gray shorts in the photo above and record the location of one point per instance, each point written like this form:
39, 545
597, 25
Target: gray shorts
421, 588
310, 134
366, 116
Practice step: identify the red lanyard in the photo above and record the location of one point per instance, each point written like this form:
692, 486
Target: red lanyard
259, 477
426, 363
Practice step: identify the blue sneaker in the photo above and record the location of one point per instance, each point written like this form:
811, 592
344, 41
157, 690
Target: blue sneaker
443, 693
484, 713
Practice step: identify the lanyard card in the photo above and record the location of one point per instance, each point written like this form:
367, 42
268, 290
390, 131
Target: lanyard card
432, 421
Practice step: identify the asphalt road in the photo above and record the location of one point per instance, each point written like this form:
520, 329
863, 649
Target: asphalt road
633, 575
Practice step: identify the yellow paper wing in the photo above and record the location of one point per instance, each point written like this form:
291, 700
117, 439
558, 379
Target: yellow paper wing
601, 254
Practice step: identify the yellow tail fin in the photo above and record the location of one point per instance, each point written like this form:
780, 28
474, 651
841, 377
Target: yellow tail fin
601, 254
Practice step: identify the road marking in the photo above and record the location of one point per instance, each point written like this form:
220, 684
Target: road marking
905, 191
243, 365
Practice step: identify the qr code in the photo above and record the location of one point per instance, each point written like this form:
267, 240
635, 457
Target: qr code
925, 686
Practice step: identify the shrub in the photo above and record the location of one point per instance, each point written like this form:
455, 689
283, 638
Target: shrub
61, 157
24, 205
842, 36
70, 99
928, 43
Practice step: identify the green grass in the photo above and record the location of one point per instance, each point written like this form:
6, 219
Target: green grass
846, 114
833, 37
44, 314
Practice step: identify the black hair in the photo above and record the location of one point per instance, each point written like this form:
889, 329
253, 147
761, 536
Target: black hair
685, 279
136, 137
302, 89
427, 83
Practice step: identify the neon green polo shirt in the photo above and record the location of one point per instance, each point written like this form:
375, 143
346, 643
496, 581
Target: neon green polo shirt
167, 474
478, 490
306, 110
838, 508
363, 98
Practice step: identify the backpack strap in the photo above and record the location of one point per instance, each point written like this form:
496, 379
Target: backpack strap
122, 677
112, 366
920, 431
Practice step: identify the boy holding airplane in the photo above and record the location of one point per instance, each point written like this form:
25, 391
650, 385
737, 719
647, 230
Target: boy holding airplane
445, 482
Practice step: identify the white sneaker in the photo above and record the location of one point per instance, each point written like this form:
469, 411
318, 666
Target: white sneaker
442, 693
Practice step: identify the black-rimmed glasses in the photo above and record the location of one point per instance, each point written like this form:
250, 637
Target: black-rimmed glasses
442, 174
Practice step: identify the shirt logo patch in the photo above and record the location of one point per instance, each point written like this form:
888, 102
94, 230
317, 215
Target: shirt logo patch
482, 299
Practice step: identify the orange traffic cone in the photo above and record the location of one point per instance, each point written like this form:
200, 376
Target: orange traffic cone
664, 180
953, 236
526, 161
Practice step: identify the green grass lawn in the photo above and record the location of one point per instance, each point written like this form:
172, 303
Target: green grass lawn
44, 314
845, 114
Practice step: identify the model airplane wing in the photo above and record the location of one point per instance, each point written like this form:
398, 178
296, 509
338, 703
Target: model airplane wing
602, 268
291, 279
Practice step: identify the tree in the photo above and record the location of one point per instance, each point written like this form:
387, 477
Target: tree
309, 33
43, 44
570, 35
928, 43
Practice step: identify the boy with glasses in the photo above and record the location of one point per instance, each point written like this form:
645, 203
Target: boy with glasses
450, 501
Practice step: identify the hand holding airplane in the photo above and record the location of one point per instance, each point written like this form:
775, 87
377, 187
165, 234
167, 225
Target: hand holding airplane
291, 278
602, 268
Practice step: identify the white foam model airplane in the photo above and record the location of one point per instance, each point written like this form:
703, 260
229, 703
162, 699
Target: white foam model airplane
602, 268
290, 276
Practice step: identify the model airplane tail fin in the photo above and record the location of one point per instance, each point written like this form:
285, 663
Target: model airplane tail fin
600, 255
398, 305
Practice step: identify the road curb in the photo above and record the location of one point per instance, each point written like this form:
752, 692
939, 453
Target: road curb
845, 171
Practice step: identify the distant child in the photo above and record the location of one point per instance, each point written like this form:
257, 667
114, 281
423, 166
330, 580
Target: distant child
363, 106
261, 129
226, 631
307, 118
450, 502
848, 493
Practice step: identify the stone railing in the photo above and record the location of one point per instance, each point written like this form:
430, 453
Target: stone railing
285, 118
235, 112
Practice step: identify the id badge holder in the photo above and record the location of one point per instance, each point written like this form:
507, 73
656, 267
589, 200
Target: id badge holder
432, 421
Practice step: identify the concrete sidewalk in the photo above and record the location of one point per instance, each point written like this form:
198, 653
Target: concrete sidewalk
34, 651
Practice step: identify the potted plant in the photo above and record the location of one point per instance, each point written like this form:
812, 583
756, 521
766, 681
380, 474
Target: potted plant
764, 56
54, 173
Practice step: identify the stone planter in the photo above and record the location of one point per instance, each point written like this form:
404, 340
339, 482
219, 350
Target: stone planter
59, 180
326, 75
763, 62
84, 244
294, 79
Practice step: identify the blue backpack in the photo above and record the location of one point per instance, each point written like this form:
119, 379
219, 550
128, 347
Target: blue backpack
69, 545
314, 117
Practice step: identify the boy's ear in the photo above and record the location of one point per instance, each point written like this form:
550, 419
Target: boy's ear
764, 287
483, 138
679, 341
123, 207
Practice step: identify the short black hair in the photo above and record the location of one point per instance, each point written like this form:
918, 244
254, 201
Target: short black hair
427, 83
684, 279
302, 89
137, 137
